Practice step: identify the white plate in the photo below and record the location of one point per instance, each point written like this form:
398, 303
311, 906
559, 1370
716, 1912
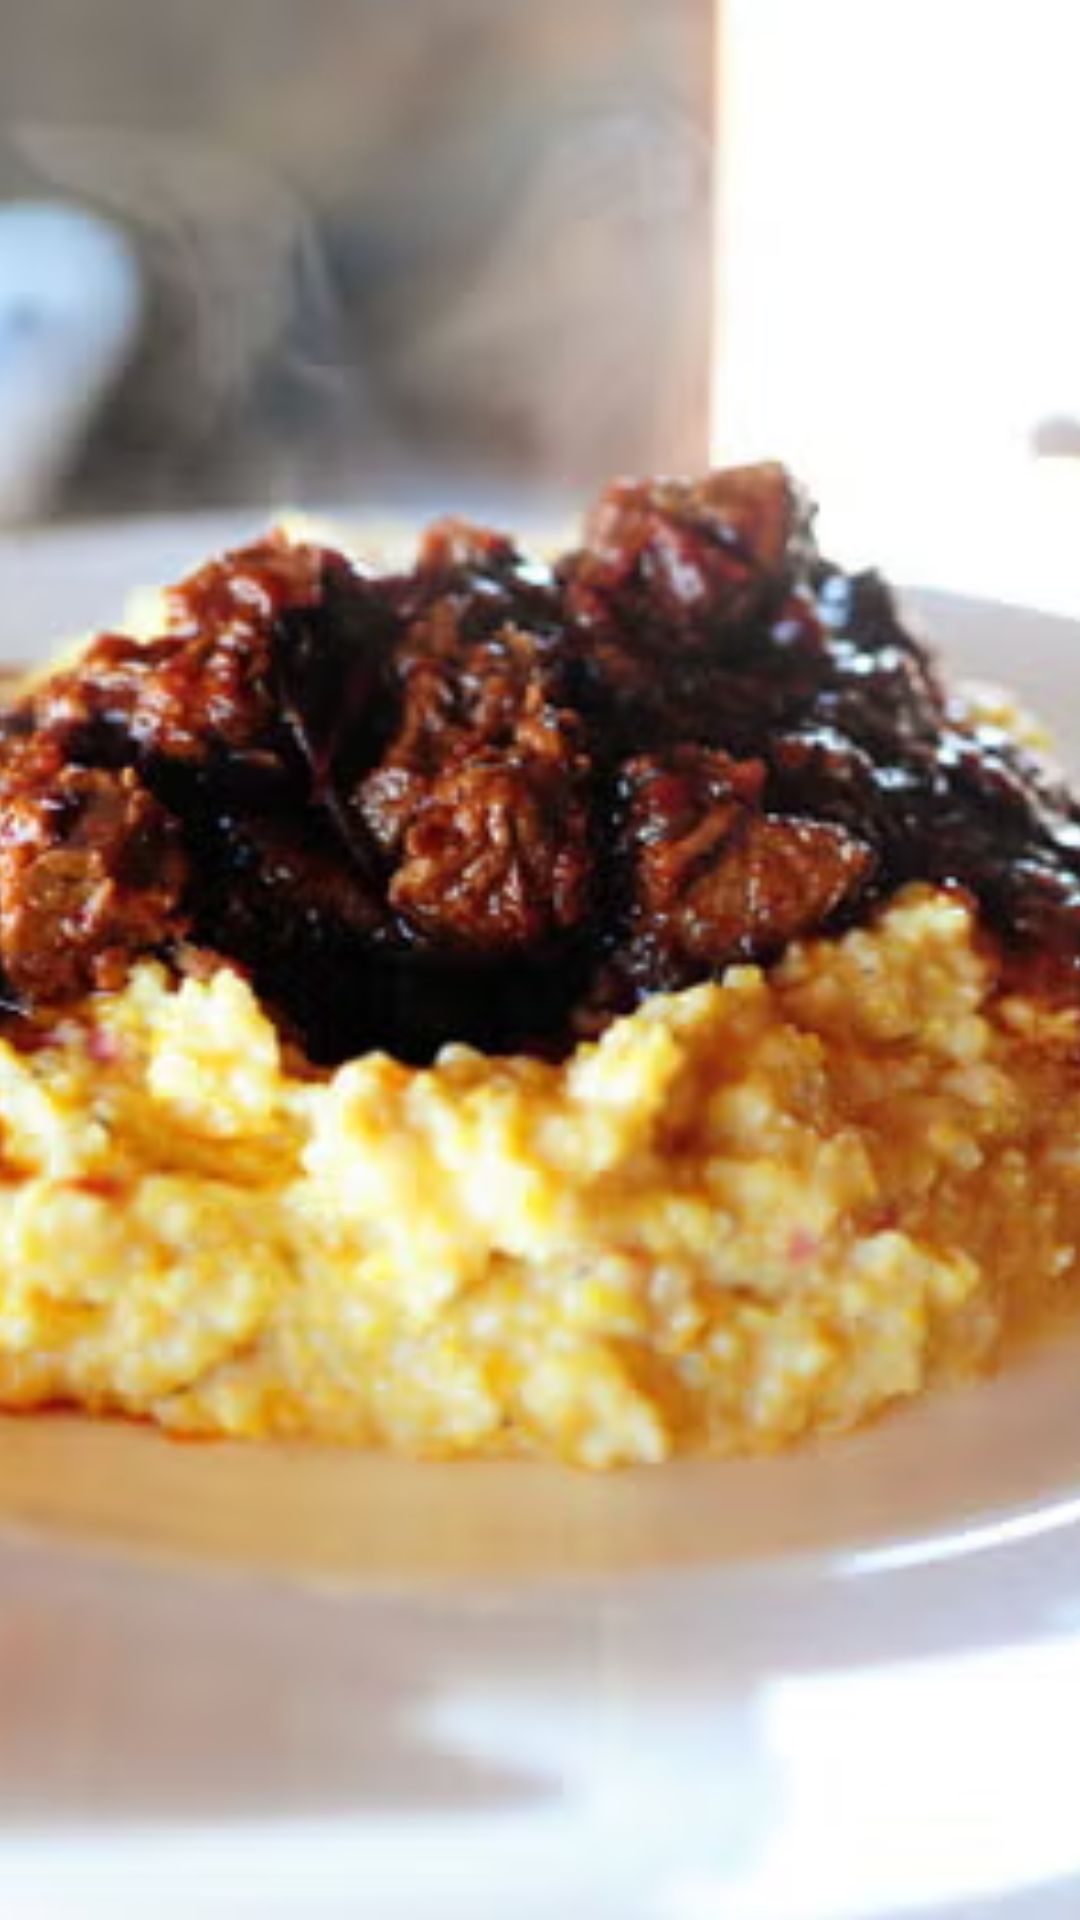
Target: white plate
289, 1681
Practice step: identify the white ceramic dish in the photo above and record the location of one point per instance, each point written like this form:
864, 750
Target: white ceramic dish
294, 1682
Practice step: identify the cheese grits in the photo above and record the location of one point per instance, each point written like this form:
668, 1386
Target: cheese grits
605, 1008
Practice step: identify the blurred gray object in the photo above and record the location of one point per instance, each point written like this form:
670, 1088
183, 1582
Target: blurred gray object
381, 242
69, 308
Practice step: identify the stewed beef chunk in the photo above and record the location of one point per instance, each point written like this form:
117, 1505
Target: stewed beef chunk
711, 878
479, 804
496, 857
206, 686
694, 611
92, 874
448, 703
691, 557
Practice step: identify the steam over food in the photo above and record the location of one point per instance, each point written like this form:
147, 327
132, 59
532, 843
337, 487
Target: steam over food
499, 803
776, 939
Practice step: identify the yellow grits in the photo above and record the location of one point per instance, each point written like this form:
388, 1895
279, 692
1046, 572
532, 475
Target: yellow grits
752, 1210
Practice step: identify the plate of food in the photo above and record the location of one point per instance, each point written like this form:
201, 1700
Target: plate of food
583, 1047
539, 1110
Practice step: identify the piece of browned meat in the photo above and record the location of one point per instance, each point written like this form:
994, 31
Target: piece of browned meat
697, 556
496, 856
206, 685
694, 611
92, 873
479, 803
709, 878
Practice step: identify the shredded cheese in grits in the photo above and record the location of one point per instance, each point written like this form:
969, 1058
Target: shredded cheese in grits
752, 1210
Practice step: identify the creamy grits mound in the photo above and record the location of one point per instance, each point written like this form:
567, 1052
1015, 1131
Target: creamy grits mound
753, 1210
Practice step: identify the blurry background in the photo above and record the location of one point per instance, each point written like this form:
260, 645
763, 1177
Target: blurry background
898, 279
380, 245
410, 254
